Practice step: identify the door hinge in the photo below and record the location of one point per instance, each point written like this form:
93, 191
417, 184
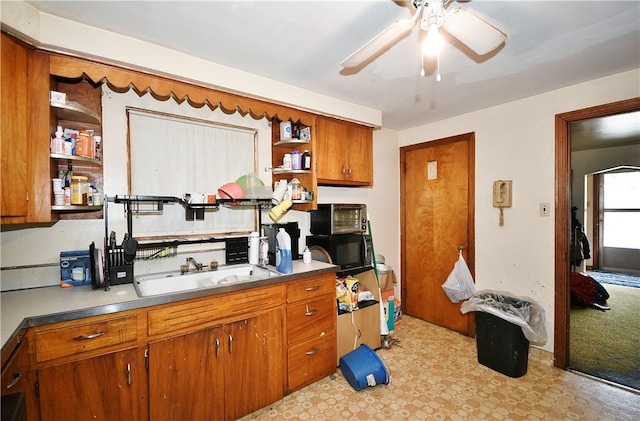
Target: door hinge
36, 389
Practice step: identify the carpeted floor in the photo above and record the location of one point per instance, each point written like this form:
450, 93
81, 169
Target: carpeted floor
606, 344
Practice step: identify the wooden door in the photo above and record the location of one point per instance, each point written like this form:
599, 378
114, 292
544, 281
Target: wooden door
360, 155
18, 378
14, 100
254, 350
437, 199
106, 388
330, 147
186, 377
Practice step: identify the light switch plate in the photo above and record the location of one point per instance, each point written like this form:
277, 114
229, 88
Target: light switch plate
545, 209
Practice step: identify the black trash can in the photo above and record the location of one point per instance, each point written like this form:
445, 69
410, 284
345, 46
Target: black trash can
501, 345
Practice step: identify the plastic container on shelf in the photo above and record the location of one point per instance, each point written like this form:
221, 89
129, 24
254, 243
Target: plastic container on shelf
286, 162
296, 160
284, 262
79, 185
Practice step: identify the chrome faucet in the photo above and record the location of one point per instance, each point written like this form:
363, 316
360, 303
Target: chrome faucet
191, 260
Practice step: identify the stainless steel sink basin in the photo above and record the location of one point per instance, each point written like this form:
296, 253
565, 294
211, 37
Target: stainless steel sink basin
169, 283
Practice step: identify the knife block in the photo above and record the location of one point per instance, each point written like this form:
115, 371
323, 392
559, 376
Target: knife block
120, 272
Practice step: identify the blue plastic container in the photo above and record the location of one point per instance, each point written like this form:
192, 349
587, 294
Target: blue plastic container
362, 368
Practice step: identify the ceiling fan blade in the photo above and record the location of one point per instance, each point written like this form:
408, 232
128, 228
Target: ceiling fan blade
379, 43
475, 32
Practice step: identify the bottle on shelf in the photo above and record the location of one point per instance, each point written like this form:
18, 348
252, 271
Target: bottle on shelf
57, 142
286, 162
296, 160
306, 160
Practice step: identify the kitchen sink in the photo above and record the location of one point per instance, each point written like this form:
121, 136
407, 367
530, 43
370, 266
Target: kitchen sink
172, 282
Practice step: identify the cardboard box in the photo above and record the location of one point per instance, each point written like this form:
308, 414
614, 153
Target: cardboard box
387, 279
387, 296
75, 268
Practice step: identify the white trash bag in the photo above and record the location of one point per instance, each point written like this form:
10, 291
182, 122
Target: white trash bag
459, 285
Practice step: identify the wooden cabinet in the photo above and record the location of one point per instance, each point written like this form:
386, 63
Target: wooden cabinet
218, 357
362, 325
311, 330
17, 378
24, 143
106, 387
90, 369
344, 153
307, 178
81, 112
186, 377
223, 372
28, 122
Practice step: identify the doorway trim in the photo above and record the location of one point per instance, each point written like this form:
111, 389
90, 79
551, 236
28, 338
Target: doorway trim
563, 216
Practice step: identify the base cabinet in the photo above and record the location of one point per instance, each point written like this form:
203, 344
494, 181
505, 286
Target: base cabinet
311, 330
221, 373
105, 388
17, 378
219, 357
186, 377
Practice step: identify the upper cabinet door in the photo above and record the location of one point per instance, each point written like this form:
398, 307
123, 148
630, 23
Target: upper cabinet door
25, 168
15, 165
345, 153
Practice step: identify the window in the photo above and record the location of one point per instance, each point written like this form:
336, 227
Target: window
622, 210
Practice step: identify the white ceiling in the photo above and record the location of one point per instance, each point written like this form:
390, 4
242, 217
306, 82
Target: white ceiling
550, 44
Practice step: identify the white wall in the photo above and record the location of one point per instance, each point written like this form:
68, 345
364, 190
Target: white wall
516, 141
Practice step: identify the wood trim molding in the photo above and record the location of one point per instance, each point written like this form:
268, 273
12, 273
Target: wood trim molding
121, 79
563, 217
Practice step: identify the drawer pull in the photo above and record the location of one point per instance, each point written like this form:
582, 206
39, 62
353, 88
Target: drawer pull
230, 344
129, 374
16, 379
314, 351
311, 313
313, 288
95, 335
217, 347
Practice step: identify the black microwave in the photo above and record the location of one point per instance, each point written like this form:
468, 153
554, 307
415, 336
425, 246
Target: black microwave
349, 251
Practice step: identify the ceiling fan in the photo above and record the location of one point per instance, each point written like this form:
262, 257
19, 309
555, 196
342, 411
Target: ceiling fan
473, 31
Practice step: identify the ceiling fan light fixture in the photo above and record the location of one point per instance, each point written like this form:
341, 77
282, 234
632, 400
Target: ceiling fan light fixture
433, 42
473, 31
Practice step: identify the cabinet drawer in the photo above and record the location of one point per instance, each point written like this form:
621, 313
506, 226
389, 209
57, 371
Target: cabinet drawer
71, 340
310, 288
311, 319
311, 360
203, 313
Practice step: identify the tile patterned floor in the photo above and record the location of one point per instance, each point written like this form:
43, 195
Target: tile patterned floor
436, 376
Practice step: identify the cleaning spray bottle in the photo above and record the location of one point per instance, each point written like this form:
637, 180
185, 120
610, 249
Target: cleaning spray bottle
283, 252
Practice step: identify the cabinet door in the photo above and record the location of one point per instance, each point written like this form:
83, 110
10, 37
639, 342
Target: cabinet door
345, 153
106, 387
186, 377
254, 370
14, 154
331, 150
360, 155
16, 378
